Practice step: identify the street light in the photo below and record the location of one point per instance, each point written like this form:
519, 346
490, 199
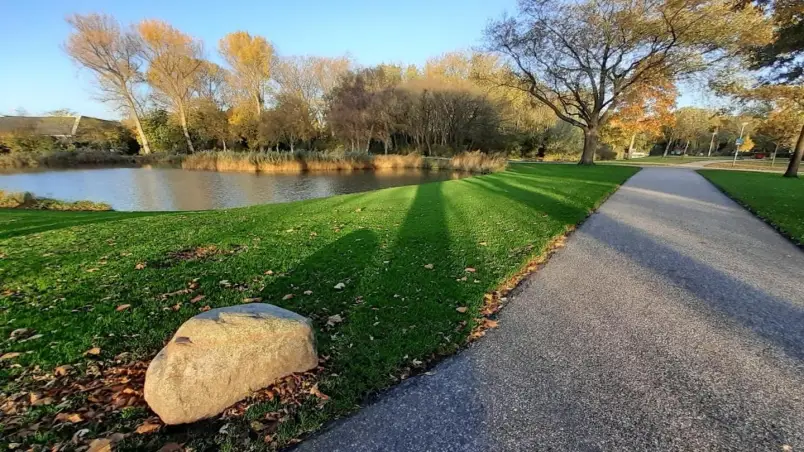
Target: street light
737, 143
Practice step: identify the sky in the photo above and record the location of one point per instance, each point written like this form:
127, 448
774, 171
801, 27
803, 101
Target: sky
36, 75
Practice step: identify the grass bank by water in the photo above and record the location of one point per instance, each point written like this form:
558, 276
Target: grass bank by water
71, 159
777, 200
26, 200
419, 264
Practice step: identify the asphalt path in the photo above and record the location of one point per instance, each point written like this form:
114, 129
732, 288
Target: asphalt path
672, 320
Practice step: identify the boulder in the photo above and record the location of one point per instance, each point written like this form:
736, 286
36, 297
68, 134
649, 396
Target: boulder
221, 356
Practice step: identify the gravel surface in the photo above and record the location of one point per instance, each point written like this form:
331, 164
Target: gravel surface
673, 320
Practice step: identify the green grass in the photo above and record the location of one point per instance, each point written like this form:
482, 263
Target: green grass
776, 199
63, 273
659, 160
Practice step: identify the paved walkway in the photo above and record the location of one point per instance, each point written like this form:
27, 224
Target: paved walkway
673, 320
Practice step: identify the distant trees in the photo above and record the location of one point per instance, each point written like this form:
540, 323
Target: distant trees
582, 57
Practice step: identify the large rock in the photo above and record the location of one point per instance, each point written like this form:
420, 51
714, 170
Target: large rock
220, 356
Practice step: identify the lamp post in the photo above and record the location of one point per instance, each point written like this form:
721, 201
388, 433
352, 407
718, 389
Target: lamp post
738, 143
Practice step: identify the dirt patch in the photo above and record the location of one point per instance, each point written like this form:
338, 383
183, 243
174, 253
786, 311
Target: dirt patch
199, 253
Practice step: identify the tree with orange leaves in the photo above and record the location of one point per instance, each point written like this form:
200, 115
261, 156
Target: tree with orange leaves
644, 110
174, 60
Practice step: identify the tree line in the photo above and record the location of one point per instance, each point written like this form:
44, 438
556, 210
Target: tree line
582, 77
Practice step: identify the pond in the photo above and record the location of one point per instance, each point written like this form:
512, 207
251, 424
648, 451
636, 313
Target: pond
177, 189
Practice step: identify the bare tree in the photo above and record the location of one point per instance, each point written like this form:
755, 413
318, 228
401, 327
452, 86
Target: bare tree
97, 43
580, 57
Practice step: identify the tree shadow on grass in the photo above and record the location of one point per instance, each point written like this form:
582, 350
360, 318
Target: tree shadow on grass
26, 223
775, 319
532, 199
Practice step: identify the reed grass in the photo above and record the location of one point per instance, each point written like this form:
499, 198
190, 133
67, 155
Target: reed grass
303, 161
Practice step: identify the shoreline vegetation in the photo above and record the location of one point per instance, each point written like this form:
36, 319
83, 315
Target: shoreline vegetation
260, 162
392, 280
27, 200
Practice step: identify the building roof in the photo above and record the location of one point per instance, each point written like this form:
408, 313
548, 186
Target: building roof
57, 126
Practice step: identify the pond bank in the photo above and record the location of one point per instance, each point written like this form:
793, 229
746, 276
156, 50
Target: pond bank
27, 200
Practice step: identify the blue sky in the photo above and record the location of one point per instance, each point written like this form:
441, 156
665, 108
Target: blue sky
37, 76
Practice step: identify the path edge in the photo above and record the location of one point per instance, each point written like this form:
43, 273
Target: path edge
767, 221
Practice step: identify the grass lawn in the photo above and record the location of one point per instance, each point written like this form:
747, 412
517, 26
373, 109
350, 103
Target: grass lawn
776, 199
63, 274
780, 166
659, 160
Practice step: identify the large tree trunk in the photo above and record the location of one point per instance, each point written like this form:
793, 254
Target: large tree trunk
630, 147
146, 148
667, 148
686, 148
590, 137
795, 159
183, 119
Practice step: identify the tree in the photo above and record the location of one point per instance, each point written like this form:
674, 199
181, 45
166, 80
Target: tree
289, 122
174, 59
581, 57
97, 43
692, 126
250, 59
784, 56
780, 128
783, 61
644, 110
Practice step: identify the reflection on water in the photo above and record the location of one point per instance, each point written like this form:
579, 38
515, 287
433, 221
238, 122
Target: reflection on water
177, 189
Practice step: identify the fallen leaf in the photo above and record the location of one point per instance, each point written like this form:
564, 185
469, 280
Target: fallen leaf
428, 266
140, 266
73, 418
470, 269
483, 244
252, 300
95, 351
316, 392
92, 270
205, 308
340, 286
257, 426
269, 272
488, 323
333, 319
416, 362
171, 447
148, 427
43, 401
308, 292
10, 355
176, 307
122, 307
461, 309
287, 297
100, 445
197, 298
62, 370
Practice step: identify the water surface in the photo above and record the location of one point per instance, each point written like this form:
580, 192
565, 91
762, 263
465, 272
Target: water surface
177, 189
